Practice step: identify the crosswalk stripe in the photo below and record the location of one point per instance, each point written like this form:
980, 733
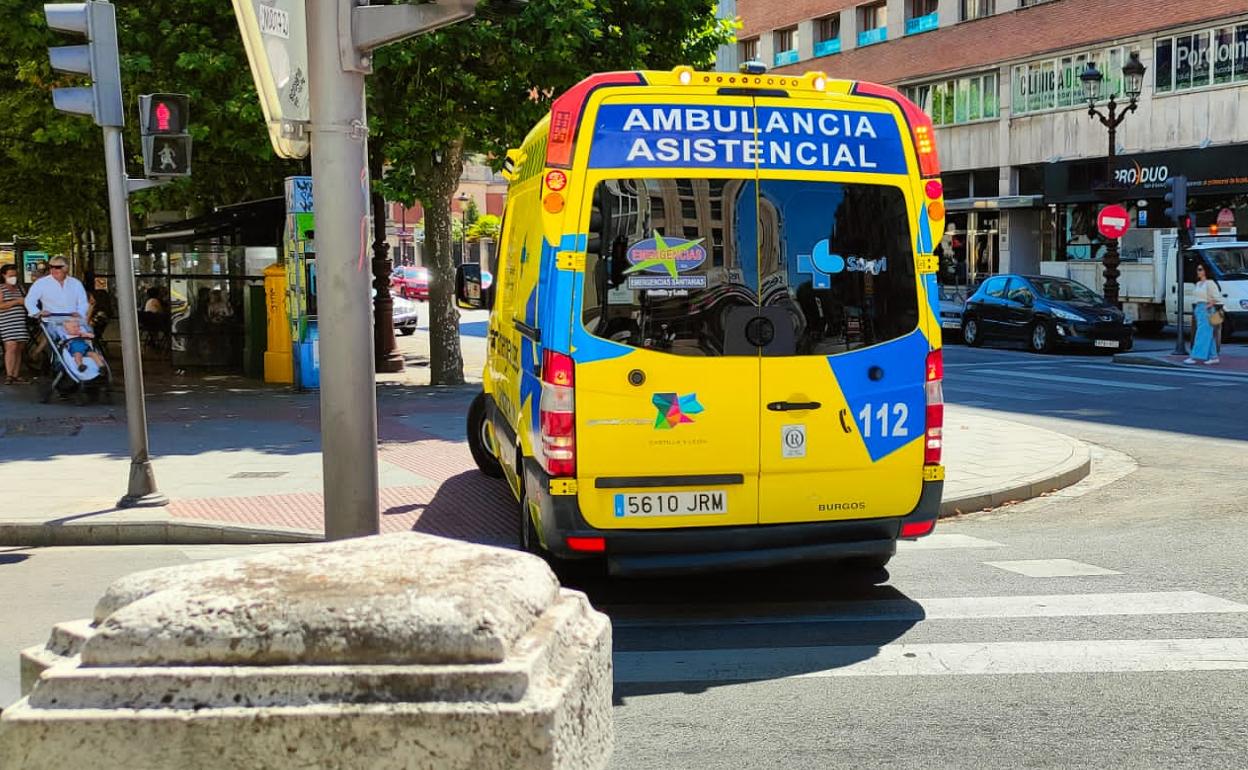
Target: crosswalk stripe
944, 659
975, 608
1077, 380
953, 388
942, 541
1223, 380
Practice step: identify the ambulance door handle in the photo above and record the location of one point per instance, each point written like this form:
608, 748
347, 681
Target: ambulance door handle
793, 406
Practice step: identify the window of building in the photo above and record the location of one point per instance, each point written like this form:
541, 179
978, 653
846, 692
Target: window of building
1198, 59
977, 9
785, 44
985, 183
1029, 3
921, 16
828, 35
748, 49
872, 23
1054, 83
963, 100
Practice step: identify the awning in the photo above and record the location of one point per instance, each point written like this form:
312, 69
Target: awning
996, 204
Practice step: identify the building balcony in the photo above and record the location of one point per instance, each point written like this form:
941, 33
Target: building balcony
786, 57
828, 47
925, 23
872, 36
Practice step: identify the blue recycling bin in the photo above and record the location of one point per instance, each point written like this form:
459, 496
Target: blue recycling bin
310, 358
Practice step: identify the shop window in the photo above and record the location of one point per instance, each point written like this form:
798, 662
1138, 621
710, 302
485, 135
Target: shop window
977, 9
958, 101
1211, 57
1054, 83
957, 185
748, 49
828, 35
1030, 180
986, 183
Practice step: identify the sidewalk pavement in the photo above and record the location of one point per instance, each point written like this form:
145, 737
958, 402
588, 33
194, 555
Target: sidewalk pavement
1233, 360
240, 462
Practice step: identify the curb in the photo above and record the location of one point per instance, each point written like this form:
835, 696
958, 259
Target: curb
1146, 360
148, 533
1074, 471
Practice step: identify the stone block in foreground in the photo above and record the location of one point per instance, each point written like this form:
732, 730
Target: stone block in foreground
397, 651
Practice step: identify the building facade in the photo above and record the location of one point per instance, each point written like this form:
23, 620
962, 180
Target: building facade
1021, 155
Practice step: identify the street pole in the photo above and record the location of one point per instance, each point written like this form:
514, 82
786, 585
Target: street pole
141, 490
1180, 337
1111, 260
340, 179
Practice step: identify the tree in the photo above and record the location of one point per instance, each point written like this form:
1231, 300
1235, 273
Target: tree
480, 86
53, 163
486, 226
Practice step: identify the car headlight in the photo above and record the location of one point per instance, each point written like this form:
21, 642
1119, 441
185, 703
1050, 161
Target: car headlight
1066, 315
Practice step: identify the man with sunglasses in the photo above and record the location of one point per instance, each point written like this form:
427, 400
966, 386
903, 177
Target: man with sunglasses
58, 291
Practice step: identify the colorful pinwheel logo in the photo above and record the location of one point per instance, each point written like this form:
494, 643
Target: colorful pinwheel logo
674, 409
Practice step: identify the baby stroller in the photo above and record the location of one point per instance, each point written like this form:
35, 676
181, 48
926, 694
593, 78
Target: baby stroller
91, 383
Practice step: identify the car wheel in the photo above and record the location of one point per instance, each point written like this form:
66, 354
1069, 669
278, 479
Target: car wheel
1126, 345
407, 331
477, 440
971, 333
1040, 338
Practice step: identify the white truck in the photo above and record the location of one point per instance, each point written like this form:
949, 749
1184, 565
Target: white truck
1148, 284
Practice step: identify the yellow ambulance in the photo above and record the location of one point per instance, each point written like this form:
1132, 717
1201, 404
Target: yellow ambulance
714, 337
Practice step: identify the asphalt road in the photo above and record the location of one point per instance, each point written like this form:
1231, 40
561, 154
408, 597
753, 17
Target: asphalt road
1104, 626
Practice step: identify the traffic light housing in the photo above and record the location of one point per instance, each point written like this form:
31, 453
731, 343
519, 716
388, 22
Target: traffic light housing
1187, 231
98, 59
1176, 199
163, 120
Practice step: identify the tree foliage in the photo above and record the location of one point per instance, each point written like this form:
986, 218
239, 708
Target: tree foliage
486, 226
479, 87
52, 163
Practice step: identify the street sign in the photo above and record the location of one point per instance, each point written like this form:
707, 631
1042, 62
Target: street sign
275, 36
1113, 221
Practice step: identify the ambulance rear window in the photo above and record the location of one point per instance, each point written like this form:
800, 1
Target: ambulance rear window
681, 266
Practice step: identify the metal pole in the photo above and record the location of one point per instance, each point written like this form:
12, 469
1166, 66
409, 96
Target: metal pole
1180, 337
142, 486
1111, 260
340, 183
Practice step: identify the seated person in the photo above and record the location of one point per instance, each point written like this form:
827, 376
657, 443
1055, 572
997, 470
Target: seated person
79, 344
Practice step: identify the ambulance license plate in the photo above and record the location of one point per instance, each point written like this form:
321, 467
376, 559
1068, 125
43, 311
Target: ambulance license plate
1106, 343
671, 503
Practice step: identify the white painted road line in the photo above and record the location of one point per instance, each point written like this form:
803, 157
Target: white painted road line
957, 659
1210, 378
940, 542
1076, 380
975, 608
1051, 568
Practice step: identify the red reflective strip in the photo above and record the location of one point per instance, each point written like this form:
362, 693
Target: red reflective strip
587, 544
921, 128
566, 111
917, 528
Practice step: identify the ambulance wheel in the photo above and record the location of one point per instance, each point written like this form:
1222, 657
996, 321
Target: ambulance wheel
478, 442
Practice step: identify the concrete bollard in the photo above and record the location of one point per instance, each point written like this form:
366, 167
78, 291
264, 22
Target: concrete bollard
397, 651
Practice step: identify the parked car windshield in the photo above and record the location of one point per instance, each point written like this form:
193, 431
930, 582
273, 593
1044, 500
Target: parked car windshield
1064, 291
1230, 263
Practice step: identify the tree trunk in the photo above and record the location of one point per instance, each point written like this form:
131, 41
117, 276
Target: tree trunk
446, 362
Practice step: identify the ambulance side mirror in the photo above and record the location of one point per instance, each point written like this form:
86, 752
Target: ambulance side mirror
469, 294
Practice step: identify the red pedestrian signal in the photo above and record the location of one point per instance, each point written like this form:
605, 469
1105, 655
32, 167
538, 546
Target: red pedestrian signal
162, 116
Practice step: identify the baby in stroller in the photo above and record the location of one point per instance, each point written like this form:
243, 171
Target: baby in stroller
78, 341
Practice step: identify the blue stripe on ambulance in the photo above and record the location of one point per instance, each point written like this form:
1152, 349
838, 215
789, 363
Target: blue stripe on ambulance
902, 361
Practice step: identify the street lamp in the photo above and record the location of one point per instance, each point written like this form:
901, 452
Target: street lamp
1111, 191
463, 226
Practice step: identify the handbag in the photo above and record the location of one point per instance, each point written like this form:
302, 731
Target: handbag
1217, 317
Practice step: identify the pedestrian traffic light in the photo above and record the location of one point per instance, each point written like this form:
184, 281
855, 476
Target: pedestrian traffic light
163, 120
1187, 231
97, 59
164, 113
1176, 199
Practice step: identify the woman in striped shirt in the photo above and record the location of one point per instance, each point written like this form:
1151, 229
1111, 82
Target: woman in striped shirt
12, 324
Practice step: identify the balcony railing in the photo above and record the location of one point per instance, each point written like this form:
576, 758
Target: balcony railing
786, 57
872, 36
925, 23
828, 47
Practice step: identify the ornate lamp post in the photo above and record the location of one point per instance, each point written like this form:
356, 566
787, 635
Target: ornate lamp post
1112, 191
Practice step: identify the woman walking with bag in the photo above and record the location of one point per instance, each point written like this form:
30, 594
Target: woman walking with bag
1206, 298
12, 324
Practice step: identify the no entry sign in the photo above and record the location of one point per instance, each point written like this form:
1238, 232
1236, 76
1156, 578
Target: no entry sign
1113, 221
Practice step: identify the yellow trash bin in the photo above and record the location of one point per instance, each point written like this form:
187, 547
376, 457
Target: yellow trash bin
278, 360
